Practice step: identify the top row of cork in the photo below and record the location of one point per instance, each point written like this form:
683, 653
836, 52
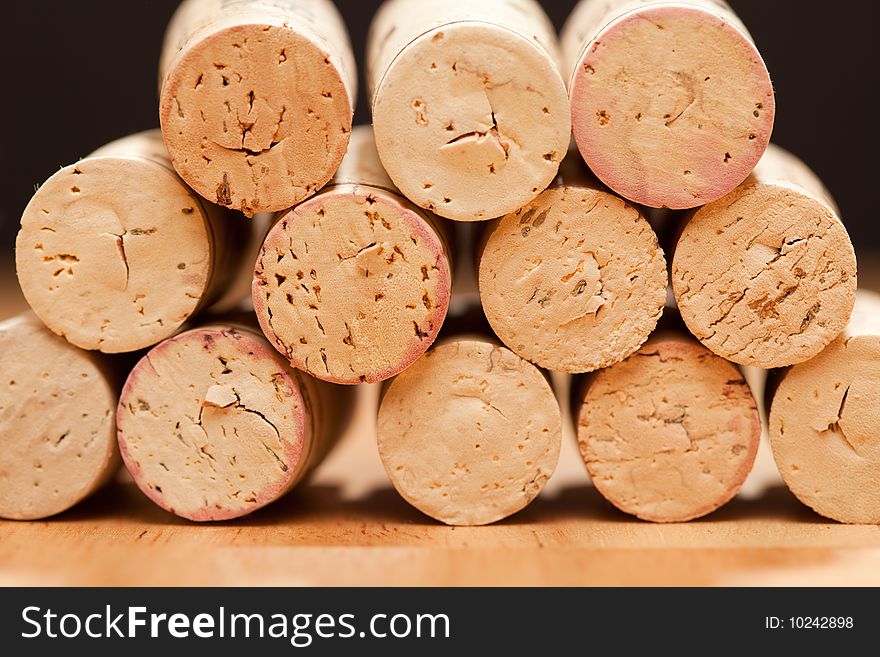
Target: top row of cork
473, 103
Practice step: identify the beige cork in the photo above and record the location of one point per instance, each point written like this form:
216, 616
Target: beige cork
257, 99
353, 285
766, 276
670, 433
57, 429
671, 103
470, 433
213, 424
115, 252
825, 422
469, 107
575, 280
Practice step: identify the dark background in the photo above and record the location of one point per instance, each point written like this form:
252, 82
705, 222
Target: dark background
78, 74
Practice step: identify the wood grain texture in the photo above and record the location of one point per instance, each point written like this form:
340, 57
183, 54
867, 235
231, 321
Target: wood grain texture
350, 527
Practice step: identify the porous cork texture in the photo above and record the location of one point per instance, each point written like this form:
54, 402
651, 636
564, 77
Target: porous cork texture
766, 276
213, 424
470, 433
57, 428
469, 107
671, 103
257, 99
825, 422
353, 285
574, 281
115, 252
670, 433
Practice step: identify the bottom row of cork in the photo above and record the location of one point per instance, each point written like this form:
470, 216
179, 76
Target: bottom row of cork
213, 424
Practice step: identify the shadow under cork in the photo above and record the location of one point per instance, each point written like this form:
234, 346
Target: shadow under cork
325, 504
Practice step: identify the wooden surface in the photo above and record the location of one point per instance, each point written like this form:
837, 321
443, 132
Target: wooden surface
349, 527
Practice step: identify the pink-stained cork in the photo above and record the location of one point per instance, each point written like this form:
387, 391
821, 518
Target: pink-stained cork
353, 285
213, 424
671, 103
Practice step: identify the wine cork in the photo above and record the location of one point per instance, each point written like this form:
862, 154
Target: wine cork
353, 285
115, 252
257, 99
825, 422
671, 103
470, 433
766, 276
213, 424
670, 433
57, 429
575, 280
469, 107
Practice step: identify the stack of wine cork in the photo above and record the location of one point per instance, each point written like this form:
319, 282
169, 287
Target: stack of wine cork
259, 255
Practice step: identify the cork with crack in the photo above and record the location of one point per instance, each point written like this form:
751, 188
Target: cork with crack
115, 252
257, 99
825, 422
575, 280
766, 276
470, 433
57, 428
469, 107
671, 103
353, 285
213, 424
670, 433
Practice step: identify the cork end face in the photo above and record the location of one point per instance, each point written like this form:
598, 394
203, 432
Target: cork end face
470, 433
471, 121
114, 253
574, 281
683, 435
256, 117
824, 428
213, 425
672, 106
57, 426
782, 286
372, 258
